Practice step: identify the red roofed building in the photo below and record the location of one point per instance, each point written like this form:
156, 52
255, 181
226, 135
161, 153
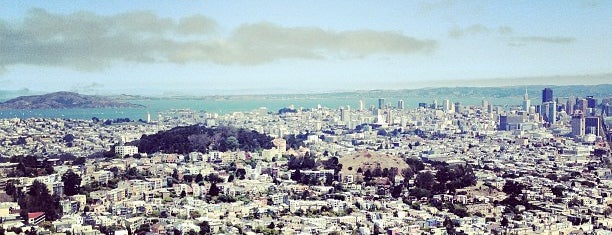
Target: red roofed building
36, 218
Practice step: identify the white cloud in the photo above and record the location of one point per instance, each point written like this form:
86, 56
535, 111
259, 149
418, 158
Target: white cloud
87, 41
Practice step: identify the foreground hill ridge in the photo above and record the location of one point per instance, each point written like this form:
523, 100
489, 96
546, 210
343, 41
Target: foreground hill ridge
64, 100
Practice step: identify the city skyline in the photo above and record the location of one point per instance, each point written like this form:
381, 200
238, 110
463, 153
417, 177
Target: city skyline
245, 47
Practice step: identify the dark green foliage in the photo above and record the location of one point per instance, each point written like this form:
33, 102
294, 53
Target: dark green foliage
424, 180
143, 229
213, 178
396, 192
10, 189
296, 175
296, 141
198, 138
20, 141
504, 222
39, 199
213, 190
513, 188
205, 228
305, 162
68, 138
72, 183
199, 178
415, 163
28, 166
557, 190
286, 110
454, 177
241, 173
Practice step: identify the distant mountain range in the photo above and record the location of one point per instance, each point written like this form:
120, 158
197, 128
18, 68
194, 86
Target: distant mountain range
64, 100
27, 99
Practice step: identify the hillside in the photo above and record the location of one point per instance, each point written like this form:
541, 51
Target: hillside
186, 139
64, 100
370, 160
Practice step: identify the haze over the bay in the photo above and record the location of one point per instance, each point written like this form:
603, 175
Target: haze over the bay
255, 47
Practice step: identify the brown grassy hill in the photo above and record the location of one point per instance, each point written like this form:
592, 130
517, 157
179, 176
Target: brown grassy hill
370, 160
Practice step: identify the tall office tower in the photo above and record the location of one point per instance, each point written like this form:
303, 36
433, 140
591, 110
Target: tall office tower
552, 112
578, 124
526, 102
547, 95
583, 105
400, 104
591, 105
458, 107
361, 105
560, 104
544, 111
446, 105
485, 103
591, 102
344, 114
607, 109
489, 108
434, 105
569, 107
503, 123
377, 112
390, 117
592, 125
381, 103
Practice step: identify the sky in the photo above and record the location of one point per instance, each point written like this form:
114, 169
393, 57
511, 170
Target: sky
259, 47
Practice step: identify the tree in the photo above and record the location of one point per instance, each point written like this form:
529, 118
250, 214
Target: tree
504, 222
407, 173
39, 199
213, 190
297, 175
79, 161
72, 183
204, 228
397, 191
241, 173
188, 178
10, 188
175, 174
557, 190
424, 180
513, 188
68, 138
213, 178
232, 143
415, 164
367, 175
199, 178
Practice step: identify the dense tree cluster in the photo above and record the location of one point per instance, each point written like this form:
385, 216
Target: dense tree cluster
305, 163
118, 120
450, 178
29, 166
38, 199
286, 110
198, 138
72, 183
296, 141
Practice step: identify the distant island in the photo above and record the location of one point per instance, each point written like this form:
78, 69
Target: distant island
64, 100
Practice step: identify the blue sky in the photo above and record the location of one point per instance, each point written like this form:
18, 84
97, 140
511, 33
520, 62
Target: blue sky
246, 47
